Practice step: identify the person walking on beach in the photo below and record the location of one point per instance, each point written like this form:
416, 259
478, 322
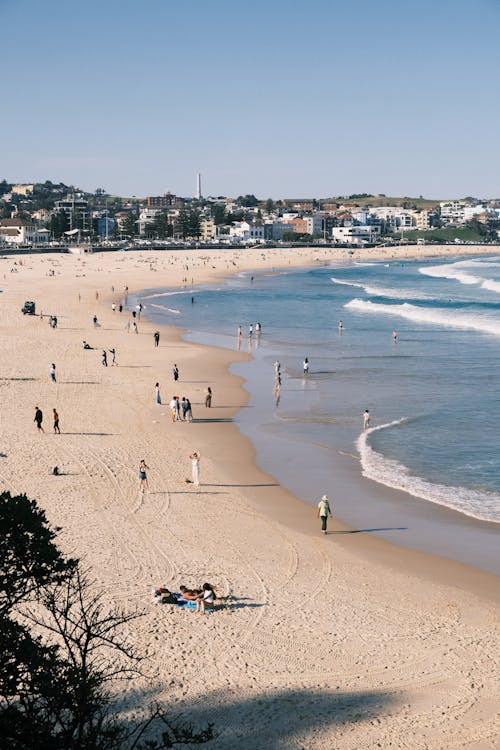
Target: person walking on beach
56, 422
157, 394
113, 356
188, 414
195, 467
38, 419
208, 397
306, 366
239, 332
52, 372
157, 338
366, 419
184, 405
104, 358
134, 326
323, 512
143, 479
175, 373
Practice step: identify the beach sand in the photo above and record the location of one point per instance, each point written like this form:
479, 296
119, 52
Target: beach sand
318, 642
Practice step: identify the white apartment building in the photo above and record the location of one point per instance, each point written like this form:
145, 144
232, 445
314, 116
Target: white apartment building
394, 217
355, 235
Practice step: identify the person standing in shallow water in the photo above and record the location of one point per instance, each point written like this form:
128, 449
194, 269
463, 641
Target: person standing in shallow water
323, 512
366, 419
175, 373
157, 338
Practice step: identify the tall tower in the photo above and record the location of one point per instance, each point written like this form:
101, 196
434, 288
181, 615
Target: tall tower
198, 186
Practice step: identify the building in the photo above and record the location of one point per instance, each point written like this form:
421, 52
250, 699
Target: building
42, 216
247, 232
208, 230
421, 219
105, 226
77, 211
146, 216
163, 201
315, 225
22, 232
356, 235
23, 190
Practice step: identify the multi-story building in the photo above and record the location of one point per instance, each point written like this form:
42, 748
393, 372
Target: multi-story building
314, 225
146, 216
77, 211
208, 229
356, 235
163, 201
421, 219
247, 232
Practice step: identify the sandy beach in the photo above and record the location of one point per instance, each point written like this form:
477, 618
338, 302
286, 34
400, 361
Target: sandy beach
317, 642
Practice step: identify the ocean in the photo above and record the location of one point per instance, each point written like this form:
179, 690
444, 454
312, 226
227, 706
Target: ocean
432, 392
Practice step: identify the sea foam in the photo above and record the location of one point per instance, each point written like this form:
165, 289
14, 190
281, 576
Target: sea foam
454, 271
429, 315
484, 506
377, 291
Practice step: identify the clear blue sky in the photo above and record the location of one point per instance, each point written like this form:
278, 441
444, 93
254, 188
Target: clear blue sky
277, 98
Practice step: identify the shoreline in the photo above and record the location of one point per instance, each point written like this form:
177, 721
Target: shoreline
432, 520
306, 625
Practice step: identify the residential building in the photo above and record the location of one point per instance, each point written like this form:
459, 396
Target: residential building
77, 211
314, 225
421, 219
42, 216
163, 201
146, 216
23, 190
247, 232
356, 235
208, 230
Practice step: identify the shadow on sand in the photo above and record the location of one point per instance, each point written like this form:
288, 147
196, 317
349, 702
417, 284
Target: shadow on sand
279, 719
368, 531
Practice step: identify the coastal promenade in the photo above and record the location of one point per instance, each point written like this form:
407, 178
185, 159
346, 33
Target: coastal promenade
318, 642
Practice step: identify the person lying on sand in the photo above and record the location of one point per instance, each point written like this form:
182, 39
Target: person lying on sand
190, 594
161, 595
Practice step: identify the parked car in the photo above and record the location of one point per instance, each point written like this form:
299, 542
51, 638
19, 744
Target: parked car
28, 308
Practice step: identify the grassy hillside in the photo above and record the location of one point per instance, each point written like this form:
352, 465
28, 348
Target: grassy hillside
445, 235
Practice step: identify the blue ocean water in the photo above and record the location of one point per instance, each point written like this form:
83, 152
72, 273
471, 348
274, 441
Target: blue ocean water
433, 394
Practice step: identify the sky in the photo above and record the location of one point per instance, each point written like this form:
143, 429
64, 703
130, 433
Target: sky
277, 98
